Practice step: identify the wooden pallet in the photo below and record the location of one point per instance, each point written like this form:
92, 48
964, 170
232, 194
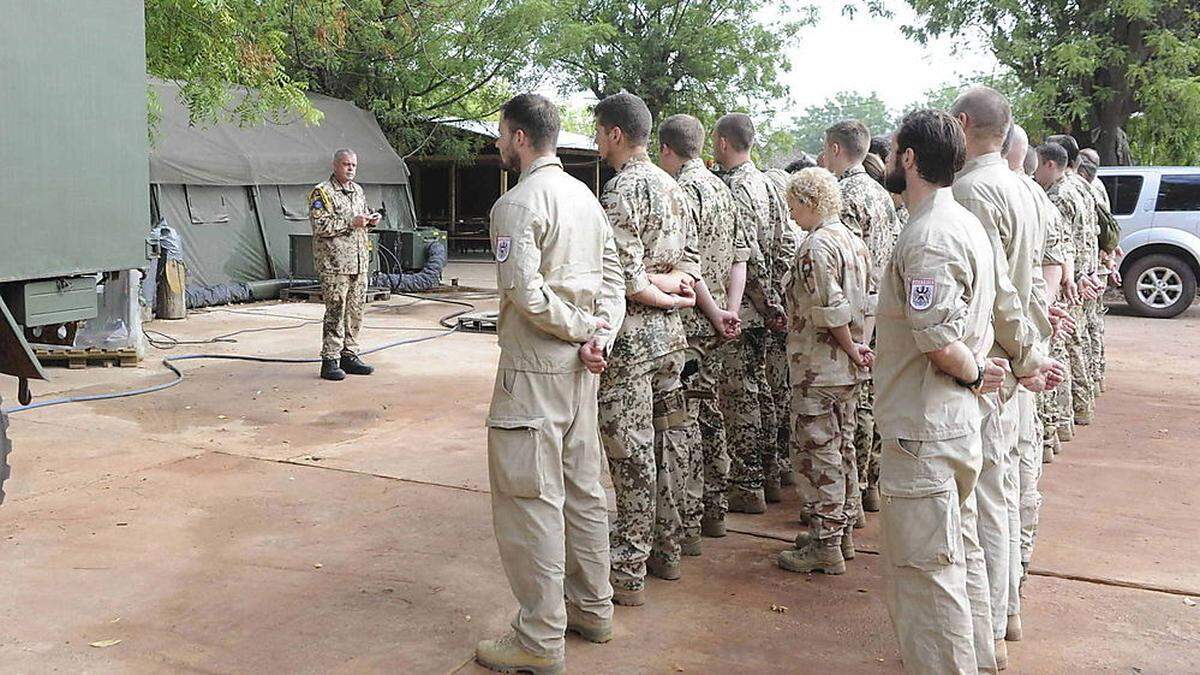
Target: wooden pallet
75, 358
314, 294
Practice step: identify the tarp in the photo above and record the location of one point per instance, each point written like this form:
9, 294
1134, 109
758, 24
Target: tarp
285, 151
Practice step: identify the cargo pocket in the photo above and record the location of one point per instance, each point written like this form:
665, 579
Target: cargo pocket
922, 532
515, 456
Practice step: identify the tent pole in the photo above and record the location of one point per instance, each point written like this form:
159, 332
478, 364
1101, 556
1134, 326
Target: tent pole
262, 231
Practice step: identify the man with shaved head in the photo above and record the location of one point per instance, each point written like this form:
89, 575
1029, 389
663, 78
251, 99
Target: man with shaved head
1008, 211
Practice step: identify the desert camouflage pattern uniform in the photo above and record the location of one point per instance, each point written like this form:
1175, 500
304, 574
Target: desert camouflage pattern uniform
721, 243
341, 256
827, 289
1097, 311
642, 409
869, 212
1079, 217
778, 373
752, 443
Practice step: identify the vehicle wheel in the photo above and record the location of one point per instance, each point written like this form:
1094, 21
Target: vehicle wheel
5, 446
1159, 286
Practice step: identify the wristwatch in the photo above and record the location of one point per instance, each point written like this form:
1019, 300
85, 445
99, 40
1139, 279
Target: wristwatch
979, 366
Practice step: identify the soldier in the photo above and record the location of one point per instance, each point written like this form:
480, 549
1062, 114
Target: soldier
751, 413
1038, 429
935, 317
1079, 216
1089, 163
1008, 212
709, 326
868, 210
643, 411
340, 219
827, 353
561, 301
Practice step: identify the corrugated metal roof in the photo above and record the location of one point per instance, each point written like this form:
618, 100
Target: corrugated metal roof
567, 140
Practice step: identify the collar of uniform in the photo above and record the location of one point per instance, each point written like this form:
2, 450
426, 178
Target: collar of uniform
826, 223
852, 170
693, 164
636, 158
348, 187
540, 163
916, 211
1058, 182
979, 162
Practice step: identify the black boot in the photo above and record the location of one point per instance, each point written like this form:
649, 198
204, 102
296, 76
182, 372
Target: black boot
353, 366
330, 370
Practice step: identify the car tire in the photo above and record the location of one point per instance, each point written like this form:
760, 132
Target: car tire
1159, 286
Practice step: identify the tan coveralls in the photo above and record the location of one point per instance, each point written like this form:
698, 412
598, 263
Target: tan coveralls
938, 289
558, 276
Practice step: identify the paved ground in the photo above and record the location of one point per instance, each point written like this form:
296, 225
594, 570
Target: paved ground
256, 519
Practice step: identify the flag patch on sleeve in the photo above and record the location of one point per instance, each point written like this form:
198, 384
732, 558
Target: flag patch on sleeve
503, 248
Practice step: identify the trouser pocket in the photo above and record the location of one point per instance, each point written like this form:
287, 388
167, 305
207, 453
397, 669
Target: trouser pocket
923, 532
515, 456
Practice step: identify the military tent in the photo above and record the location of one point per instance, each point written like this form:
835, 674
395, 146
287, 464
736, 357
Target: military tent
235, 193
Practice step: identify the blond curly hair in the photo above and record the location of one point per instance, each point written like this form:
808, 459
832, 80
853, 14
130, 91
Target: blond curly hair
818, 189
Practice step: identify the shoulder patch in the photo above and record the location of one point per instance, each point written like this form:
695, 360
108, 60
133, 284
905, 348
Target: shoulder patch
316, 200
920, 294
503, 248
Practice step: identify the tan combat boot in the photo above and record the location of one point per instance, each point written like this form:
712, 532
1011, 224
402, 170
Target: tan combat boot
1014, 632
662, 569
588, 626
628, 597
813, 558
712, 527
507, 655
787, 478
1047, 454
772, 493
747, 501
690, 545
870, 499
1001, 654
1066, 432
805, 538
860, 519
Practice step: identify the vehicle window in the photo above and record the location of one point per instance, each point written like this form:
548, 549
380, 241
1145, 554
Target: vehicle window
1123, 192
1179, 193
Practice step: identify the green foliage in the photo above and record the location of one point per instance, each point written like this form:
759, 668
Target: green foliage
205, 45
702, 58
1089, 66
806, 132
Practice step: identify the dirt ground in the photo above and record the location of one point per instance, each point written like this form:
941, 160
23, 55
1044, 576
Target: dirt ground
257, 519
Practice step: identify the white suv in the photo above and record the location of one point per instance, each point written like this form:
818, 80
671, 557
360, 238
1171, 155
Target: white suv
1158, 208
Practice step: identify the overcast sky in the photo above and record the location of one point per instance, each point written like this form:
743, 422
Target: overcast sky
871, 54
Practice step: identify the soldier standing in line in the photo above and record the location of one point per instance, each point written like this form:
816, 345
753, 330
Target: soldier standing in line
778, 373
1078, 212
828, 305
642, 409
710, 326
337, 210
561, 301
868, 210
761, 212
1089, 163
935, 328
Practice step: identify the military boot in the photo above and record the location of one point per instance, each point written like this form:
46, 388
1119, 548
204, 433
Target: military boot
747, 501
870, 499
860, 518
1001, 654
787, 478
1066, 433
815, 557
506, 655
627, 597
1047, 454
772, 492
668, 571
588, 626
331, 371
805, 538
690, 545
712, 527
1014, 632
354, 366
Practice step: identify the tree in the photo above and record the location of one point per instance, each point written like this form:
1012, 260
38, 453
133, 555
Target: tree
1089, 66
702, 58
806, 132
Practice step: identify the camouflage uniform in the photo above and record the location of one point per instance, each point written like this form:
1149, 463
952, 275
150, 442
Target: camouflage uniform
1080, 218
1095, 317
722, 243
761, 213
778, 374
827, 289
342, 260
642, 410
868, 211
